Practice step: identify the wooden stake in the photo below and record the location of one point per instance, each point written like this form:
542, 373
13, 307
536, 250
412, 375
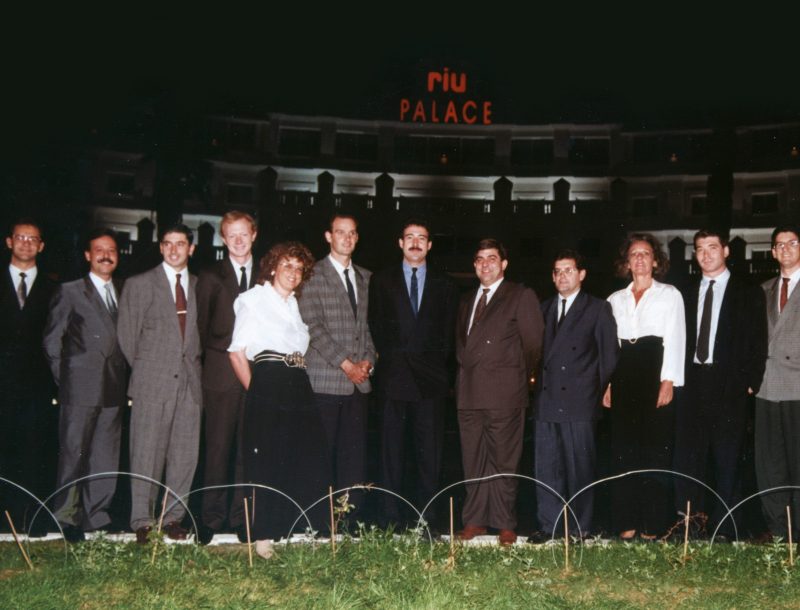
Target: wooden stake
16, 539
686, 530
160, 524
333, 521
789, 529
566, 540
247, 530
452, 531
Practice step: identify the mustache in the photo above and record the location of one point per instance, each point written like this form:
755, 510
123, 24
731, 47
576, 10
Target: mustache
105, 260
415, 249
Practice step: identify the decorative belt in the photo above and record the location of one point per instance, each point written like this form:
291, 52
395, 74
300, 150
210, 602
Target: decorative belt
294, 360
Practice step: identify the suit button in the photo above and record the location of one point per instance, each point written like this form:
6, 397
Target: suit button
563, 368
175, 376
563, 389
787, 357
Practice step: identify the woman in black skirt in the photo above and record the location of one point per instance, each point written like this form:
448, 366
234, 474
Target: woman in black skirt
651, 330
283, 442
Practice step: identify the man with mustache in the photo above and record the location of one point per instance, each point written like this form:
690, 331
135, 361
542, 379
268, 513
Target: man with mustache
80, 342
412, 319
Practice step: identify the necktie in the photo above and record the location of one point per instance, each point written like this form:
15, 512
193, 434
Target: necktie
243, 279
351, 294
22, 290
110, 302
784, 292
480, 307
414, 292
180, 304
563, 312
705, 324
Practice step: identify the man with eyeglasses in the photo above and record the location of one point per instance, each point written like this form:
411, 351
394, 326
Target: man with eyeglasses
28, 421
157, 331
580, 351
778, 402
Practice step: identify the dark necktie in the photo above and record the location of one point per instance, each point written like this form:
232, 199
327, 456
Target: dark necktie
243, 279
414, 292
784, 292
22, 290
180, 304
563, 312
705, 324
480, 307
351, 294
110, 302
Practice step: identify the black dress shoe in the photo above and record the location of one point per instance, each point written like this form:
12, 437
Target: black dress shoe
204, 534
143, 534
539, 537
174, 531
73, 533
241, 534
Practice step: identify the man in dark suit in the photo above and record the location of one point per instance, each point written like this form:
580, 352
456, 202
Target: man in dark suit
412, 317
29, 421
223, 395
340, 357
778, 401
579, 355
80, 342
498, 343
157, 331
726, 348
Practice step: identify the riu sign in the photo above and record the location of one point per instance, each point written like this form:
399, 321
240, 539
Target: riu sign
447, 102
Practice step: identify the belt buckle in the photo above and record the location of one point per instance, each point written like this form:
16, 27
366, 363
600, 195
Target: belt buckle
295, 359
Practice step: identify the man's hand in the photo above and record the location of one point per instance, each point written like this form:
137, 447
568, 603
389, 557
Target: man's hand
356, 372
664, 394
607, 397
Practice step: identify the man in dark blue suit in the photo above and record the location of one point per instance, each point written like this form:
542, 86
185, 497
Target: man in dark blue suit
412, 319
580, 352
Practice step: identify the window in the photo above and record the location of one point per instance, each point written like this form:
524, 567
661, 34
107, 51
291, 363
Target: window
589, 151
120, 184
699, 205
645, 206
242, 136
477, 151
357, 146
239, 193
299, 142
764, 203
534, 151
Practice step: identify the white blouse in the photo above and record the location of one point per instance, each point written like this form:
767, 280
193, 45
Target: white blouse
264, 320
659, 313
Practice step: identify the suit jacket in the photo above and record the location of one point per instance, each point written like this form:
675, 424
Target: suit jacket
23, 366
217, 289
413, 352
335, 333
498, 357
150, 337
80, 343
782, 374
578, 359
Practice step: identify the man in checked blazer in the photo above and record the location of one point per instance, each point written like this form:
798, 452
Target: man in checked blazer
777, 450
80, 342
498, 343
341, 355
164, 354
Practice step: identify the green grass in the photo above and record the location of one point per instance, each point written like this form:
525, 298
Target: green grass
379, 572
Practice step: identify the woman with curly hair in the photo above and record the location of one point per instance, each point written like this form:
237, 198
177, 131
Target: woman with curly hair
652, 334
283, 442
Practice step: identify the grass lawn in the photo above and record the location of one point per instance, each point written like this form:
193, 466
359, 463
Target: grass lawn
378, 571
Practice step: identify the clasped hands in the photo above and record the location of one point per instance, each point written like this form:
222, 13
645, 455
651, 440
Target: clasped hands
357, 372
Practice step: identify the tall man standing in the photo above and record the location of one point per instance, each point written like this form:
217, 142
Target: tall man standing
223, 395
498, 343
334, 305
157, 330
778, 402
412, 318
579, 356
29, 422
80, 342
726, 348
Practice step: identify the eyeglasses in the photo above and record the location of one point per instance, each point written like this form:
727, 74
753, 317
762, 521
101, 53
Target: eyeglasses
291, 267
33, 239
565, 271
782, 245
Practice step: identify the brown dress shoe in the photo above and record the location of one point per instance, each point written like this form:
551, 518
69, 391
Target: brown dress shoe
142, 534
470, 531
507, 537
174, 531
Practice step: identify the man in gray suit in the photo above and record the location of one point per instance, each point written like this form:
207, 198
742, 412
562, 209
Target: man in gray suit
340, 357
157, 330
80, 342
777, 450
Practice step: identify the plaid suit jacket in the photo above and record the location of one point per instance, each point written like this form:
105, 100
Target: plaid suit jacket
335, 333
782, 375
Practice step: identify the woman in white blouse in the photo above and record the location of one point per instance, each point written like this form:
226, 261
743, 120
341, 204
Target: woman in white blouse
652, 334
283, 442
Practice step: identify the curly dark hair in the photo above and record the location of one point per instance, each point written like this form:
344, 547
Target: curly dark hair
661, 260
283, 251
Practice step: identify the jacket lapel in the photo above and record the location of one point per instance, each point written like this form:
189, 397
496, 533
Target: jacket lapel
99, 306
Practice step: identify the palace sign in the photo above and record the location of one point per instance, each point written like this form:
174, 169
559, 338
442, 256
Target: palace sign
446, 102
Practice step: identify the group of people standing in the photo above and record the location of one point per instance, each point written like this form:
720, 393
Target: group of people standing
279, 358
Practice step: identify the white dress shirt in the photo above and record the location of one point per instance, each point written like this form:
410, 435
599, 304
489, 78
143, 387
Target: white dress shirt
793, 279
720, 284
100, 285
237, 268
171, 273
570, 301
659, 313
30, 276
340, 270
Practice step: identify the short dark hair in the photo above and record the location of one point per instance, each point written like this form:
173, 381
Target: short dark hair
488, 243
283, 250
344, 215
97, 233
25, 220
784, 228
571, 254
419, 222
703, 233
660, 258
176, 228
